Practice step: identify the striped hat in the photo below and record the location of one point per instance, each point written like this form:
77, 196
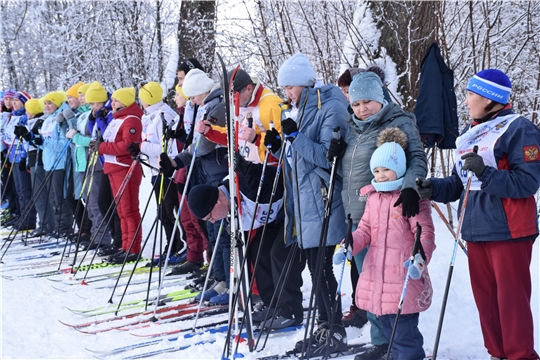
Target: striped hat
22, 96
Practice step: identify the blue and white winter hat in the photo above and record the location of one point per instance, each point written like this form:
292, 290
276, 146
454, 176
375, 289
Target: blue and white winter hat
296, 71
492, 84
390, 155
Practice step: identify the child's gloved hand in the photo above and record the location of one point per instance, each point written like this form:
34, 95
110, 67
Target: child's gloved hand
416, 268
342, 254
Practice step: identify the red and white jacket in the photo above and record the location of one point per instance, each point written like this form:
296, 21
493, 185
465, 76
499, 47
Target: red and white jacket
126, 128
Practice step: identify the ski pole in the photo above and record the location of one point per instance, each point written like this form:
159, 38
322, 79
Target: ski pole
209, 271
110, 210
140, 254
416, 248
182, 199
461, 244
452, 261
91, 167
321, 253
348, 242
4, 163
26, 211
281, 286
256, 260
11, 167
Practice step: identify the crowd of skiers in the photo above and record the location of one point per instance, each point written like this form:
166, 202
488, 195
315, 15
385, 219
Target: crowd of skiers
305, 167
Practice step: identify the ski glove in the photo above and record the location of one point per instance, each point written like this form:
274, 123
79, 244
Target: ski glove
22, 165
71, 133
167, 167
342, 254
68, 114
242, 165
20, 130
416, 267
60, 118
474, 162
94, 145
134, 149
37, 126
336, 149
290, 129
178, 134
272, 140
408, 199
424, 188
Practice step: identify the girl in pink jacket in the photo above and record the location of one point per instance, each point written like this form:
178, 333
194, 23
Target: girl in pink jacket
390, 237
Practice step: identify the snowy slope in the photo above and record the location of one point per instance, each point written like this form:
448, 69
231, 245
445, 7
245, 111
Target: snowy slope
31, 309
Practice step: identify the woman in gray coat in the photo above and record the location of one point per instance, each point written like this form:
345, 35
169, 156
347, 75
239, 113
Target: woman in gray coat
372, 114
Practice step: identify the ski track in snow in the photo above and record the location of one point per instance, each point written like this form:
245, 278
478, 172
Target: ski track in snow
31, 309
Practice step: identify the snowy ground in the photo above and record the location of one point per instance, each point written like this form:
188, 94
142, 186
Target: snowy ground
31, 309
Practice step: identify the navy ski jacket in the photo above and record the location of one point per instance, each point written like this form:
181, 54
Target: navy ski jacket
504, 208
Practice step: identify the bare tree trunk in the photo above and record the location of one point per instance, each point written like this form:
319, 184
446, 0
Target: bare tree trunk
407, 29
196, 32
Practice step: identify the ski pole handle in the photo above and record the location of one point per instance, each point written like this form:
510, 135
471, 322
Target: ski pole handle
250, 120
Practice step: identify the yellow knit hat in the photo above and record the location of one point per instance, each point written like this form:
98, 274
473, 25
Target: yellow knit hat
56, 97
74, 90
151, 93
181, 92
42, 102
33, 106
83, 88
125, 95
95, 93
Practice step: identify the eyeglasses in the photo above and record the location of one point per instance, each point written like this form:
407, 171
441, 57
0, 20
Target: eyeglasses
209, 217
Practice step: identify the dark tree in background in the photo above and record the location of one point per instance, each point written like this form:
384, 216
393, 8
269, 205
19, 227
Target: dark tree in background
407, 29
196, 32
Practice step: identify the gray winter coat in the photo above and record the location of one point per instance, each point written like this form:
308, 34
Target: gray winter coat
211, 165
310, 173
354, 167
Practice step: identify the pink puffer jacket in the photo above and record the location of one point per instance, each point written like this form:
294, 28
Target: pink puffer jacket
390, 237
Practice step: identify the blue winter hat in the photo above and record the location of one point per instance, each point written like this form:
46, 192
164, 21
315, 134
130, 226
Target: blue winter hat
296, 71
492, 84
390, 155
366, 86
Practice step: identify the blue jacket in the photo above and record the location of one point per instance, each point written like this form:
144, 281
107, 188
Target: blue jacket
54, 145
17, 152
320, 111
504, 208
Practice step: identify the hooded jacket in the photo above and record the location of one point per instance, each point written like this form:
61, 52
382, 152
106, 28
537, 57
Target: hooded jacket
354, 166
320, 111
391, 237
